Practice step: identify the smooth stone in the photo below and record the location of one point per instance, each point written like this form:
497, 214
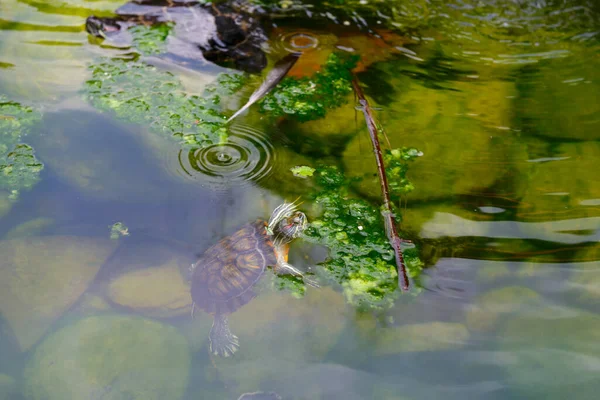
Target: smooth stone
8, 387
493, 271
559, 98
154, 292
325, 136
110, 357
40, 278
463, 151
440, 220
278, 334
430, 336
584, 281
563, 194
531, 345
325, 380
75, 147
91, 304
32, 227
281, 180
5, 204
196, 329
489, 307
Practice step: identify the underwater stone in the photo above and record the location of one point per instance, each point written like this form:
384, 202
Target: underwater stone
558, 98
563, 184
279, 333
40, 278
91, 304
8, 387
584, 282
196, 329
110, 357
155, 292
76, 149
552, 354
489, 307
462, 152
430, 336
281, 180
5, 204
325, 136
32, 227
46, 72
493, 271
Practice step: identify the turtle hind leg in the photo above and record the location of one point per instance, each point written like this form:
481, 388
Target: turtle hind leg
221, 341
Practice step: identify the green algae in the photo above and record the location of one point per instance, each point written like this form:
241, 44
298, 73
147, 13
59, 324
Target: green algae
140, 93
361, 259
19, 168
310, 98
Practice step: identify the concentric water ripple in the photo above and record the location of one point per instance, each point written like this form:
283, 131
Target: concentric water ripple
246, 157
299, 42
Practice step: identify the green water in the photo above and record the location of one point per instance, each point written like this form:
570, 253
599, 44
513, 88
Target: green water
501, 98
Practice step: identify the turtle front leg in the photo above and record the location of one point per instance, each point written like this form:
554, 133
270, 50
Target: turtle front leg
283, 267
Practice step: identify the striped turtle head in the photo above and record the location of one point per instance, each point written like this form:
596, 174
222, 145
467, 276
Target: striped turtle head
286, 223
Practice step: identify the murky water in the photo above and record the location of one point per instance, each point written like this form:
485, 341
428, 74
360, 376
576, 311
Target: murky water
501, 97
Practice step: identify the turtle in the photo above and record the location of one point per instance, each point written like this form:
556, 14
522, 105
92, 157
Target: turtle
227, 34
222, 279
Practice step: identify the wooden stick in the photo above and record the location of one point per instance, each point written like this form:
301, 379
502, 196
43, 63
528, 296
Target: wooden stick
388, 216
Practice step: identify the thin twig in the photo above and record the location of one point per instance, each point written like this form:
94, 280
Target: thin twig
388, 216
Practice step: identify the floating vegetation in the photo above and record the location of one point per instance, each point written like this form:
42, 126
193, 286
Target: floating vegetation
19, 169
117, 230
150, 40
140, 93
310, 98
360, 259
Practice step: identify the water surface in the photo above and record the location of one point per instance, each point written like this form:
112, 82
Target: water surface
500, 96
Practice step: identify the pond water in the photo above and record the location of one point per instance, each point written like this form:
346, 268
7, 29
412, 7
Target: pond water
118, 173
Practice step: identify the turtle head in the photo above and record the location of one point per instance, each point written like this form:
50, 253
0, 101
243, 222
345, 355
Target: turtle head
286, 223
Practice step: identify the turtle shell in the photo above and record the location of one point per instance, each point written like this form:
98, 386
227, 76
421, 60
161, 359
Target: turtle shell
223, 278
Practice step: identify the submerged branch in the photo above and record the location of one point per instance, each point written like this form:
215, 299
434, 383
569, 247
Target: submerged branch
388, 215
273, 78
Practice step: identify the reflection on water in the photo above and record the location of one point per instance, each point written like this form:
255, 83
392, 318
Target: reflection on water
500, 96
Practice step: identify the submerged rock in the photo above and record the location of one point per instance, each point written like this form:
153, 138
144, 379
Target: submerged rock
488, 308
99, 158
5, 204
558, 98
281, 180
260, 396
92, 304
41, 277
464, 149
196, 329
279, 333
326, 136
431, 336
111, 357
553, 354
155, 292
8, 387
584, 281
563, 191
30, 228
